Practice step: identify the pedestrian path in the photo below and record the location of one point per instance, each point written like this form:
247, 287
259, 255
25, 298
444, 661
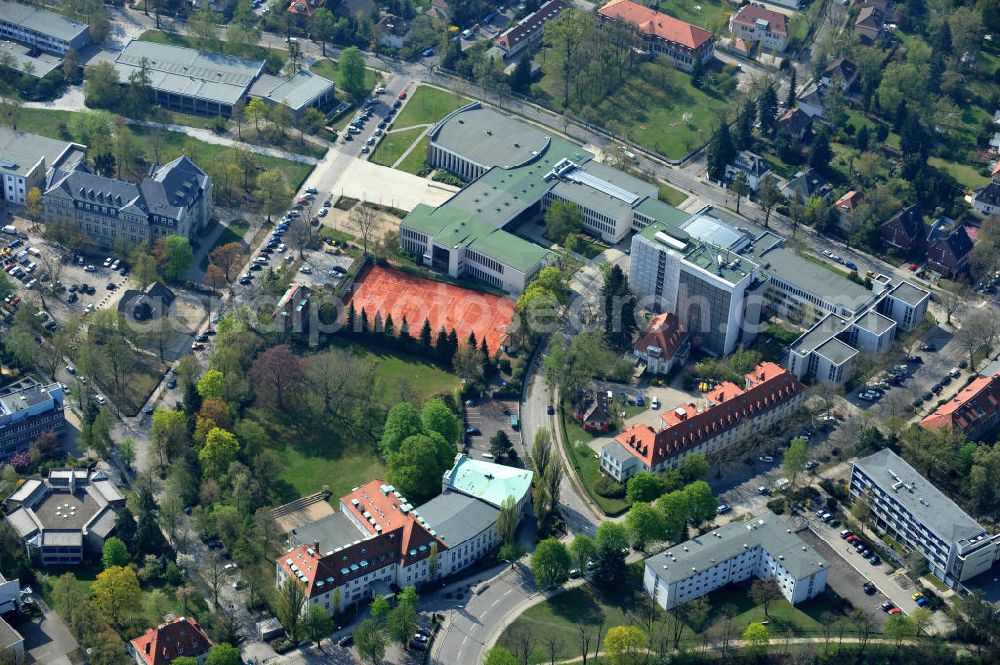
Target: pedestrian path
406, 153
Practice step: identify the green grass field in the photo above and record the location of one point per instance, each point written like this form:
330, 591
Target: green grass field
307, 474
586, 466
560, 616
394, 144
56, 124
967, 175
328, 69
415, 161
671, 195
427, 105
709, 14
657, 107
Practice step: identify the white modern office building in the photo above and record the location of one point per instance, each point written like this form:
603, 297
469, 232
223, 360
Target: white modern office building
41, 29
762, 547
915, 513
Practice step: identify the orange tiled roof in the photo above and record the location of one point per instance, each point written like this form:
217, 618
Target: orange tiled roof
665, 331
748, 15
161, 645
978, 400
685, 427
656, 24
849, 201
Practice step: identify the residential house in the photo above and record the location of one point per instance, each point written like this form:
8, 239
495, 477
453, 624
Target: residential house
751, 164
806, 185
869, 24
841, 72
905, 231
811, 100
169, 641
304, 8
986, 200
912, 511
528, 31
173, 199
729, 415
593, 412
796, 122
393, 31
848, 202
663, 345
948, 247
974, 411
681, 42
756, 23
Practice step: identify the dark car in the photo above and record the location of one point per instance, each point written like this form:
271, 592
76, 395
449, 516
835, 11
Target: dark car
346, 641
72, 298
937, 388
72, 288
927, 396
149, 410
914, 359
246, 280
472, 431
171, 383
255, 267
201, 338
869, 588
112, 286
550, 410
874, 560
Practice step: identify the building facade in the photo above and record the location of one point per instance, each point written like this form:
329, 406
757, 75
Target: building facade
762, 548
907, 507
26, 160
174, 199
682, 43
974, 411
528, 31
756, 23
28, 409
729, 415
40, 29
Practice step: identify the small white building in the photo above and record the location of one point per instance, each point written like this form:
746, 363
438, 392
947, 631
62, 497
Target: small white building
751, 164
762, 547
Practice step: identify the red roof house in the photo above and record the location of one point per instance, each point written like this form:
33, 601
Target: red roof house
754, 22
974, 411
848, 202
680, 41
663, 344
161, 645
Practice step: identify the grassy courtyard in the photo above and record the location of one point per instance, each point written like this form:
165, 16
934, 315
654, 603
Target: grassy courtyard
426, 106
394, 144
585, 465
415, 161
712, 15
657, 107
560, 616
328, 69
671, 195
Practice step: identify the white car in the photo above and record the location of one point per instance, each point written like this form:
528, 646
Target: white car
282, 248
100, 399
306, 270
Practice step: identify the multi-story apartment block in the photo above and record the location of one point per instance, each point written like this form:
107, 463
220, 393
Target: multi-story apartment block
27, 410
907, 507
729, 415
378, 538
683, 43
174, 199
40, 29
762, 547
974, 411
528, 31
26, 160
756, 23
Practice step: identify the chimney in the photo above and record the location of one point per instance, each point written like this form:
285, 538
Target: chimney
316, 548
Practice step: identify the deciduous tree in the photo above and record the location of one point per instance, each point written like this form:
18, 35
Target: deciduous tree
116, 595
550, 563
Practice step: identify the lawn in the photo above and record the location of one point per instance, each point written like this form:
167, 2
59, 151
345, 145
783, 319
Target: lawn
657, 107
416, 161
307, 474
427, 105
586, 466
712, 15
328, 69
56, 124
232, 233
394, 144
968, 176
560, 616
671, 195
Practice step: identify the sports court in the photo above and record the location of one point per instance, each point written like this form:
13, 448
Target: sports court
391, 291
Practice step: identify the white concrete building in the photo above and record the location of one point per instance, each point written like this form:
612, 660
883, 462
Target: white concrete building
26, 160
44, 30
907, 507
762, 547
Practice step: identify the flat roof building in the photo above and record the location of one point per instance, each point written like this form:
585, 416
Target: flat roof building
762, 547
20, 58
27, 160
302, 91
27, 410
64, 515
184, 79
41, 29
914, 512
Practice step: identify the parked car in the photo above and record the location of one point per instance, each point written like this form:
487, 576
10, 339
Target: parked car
723, 509
171, 383
869, 588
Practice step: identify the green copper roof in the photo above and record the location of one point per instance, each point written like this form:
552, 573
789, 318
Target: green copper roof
490, 482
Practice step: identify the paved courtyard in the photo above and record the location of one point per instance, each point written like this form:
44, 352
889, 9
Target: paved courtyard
386, 186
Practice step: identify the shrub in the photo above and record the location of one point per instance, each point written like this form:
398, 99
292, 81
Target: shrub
281, 645
776, 506
609, 488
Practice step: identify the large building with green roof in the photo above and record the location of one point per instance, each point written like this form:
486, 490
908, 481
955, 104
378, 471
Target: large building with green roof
516, 171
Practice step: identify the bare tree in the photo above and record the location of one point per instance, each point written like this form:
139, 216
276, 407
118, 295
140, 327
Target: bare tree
300, 235
951, 298
365, 219
864, 624
585, 635
522, 644
213, 573
552, 644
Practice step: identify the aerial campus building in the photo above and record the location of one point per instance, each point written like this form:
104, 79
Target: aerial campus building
377, 538
516, 172
39, 29
28, 409
762, 547
722, 276
204, 83
26, 160
63, 516
907, 507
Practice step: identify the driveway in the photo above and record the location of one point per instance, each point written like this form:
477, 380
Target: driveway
489, 416
49, 640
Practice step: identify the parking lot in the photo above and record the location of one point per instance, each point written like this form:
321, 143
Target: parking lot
488, 417
319, 264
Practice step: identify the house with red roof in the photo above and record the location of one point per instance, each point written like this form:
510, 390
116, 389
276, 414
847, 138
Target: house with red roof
848, 202
168, 641
663, 345
756, 23
728, 415
974, 411
681, 42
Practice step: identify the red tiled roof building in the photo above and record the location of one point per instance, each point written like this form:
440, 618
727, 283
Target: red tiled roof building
974, 411
161, 645
663, 344
682, 42
730, 414
758, 24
